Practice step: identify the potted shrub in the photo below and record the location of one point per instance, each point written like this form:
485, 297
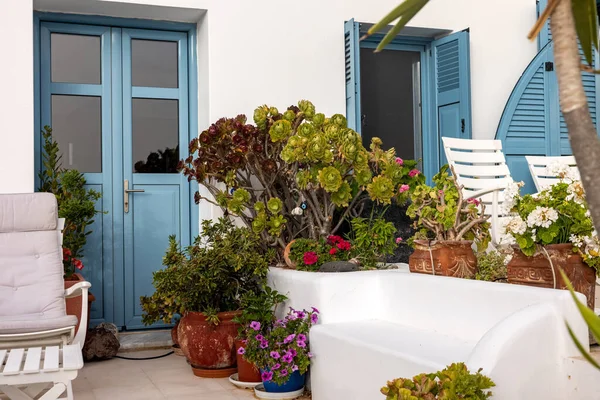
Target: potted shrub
281, 350
294, 174
76, 212
205, 284
453, 382
447, 227
261, 308
553, 230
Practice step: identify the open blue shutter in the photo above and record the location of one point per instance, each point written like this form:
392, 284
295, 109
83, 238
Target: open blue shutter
532, 123
452, 85
352, 74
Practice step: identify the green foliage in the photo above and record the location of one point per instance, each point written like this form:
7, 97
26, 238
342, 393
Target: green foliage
373, 238
281, 348
224, 264
452, 383
557, 214
75, 203
311, 254
259, 307
491, 266
442, 214
263, 172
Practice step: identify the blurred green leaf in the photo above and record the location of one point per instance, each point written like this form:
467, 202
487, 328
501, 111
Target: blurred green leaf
586, 17
591, 319
583, 352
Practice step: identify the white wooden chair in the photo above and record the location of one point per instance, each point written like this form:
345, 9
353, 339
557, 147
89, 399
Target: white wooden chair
481, 169
541, 169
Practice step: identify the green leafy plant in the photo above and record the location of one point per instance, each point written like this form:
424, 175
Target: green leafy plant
224, 264
374, 238
260, 307
296, 174
281, 348
442, 214
311, 254
75, 203
491, 266
557, 214
452, 383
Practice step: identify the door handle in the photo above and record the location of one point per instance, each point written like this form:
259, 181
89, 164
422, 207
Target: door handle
126, 192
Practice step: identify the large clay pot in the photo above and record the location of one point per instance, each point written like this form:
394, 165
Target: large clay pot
536, 270
209, 348
247, 372
74, 303
447, 258
175, 340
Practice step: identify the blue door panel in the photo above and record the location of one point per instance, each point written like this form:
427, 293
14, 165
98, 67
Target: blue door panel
449, 120
520, 172
352, 74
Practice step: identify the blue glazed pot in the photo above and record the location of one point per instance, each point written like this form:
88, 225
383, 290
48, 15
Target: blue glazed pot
295, 382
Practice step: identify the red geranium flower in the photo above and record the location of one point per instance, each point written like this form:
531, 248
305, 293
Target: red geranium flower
344, 245
310, 258
78, 264
333, 239
332, 251
66, 254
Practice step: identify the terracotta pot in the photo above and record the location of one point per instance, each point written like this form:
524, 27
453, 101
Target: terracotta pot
286, 255
74, 303
209, 348
447, 258
247, 372
176, 347
536, 270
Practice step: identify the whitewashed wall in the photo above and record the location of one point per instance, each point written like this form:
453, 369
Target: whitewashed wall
266, 51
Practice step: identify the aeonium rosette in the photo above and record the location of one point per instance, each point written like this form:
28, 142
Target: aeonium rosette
558, 214
281, 349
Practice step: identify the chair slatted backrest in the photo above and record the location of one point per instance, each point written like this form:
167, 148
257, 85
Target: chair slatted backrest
478, 165
541, 173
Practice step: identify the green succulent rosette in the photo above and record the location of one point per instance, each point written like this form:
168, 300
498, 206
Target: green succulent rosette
318, 120
273, 111
339, 120
307, 108
287, 154
332, 132
349, 150
318, 150
260, 117
241, 195
280, 130
330, 179
276, 225
289, 115
222, 199
259, 206
303, 178
381, 189
275, 205
363, 176
306, 130
342, 197
236, 206
260, 222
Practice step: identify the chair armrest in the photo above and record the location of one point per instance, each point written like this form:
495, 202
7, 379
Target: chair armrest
481, 192
77, 289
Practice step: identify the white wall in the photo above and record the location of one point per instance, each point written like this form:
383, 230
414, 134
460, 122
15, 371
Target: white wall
268, 51
16, 99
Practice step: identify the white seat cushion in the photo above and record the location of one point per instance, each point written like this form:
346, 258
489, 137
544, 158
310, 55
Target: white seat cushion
29, 323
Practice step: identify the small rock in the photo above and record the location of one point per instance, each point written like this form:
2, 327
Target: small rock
338, 266
101, 343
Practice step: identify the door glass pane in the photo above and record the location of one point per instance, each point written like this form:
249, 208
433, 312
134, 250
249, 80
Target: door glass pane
155, 135
77, 127
154, 63
75, 58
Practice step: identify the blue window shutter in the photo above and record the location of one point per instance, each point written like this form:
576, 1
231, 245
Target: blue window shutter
545, 35
450, 67
352, 74
530, 118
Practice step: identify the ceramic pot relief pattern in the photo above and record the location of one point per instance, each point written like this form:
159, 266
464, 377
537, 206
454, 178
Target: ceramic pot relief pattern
450, 258
536, 270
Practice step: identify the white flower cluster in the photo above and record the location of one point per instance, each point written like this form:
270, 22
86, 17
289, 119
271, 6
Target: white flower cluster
561, 170
588, 245
576, 192
516, 226
542, 217
510, 194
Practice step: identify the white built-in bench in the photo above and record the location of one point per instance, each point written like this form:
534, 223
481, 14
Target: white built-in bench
380, 325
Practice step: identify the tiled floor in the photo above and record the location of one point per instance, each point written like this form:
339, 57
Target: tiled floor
163, 378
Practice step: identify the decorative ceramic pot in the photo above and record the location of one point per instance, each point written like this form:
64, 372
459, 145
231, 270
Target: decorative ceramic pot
174, 339
447, 258
74, 303
247, 372
286, 255
536, 270
209, 348
295, 382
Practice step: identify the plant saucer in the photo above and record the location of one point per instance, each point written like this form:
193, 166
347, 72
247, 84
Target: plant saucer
244, 385
259, 391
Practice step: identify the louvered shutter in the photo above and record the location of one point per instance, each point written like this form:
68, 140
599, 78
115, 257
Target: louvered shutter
451, 69
352, 74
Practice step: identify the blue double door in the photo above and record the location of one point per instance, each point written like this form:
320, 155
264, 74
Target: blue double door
117, 101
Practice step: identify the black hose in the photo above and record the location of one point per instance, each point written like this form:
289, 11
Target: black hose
146, 358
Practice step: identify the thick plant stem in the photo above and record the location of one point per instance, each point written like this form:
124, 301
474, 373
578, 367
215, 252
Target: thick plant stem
573, 103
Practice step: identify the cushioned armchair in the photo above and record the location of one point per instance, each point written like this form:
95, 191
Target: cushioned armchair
32, 293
